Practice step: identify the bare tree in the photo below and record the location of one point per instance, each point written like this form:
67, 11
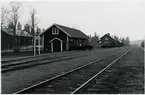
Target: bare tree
38, 31
95, 40
4, 16
14, 17
43, 30
116, 38
34, 23
19, 41
127, 41
27, 28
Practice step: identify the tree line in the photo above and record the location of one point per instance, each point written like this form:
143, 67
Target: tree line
10, 20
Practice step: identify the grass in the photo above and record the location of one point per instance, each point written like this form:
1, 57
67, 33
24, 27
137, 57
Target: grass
9, 55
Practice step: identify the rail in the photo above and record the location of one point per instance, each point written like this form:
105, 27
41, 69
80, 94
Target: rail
83, 85
69, 72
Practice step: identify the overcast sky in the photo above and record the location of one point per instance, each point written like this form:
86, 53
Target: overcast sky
121, 18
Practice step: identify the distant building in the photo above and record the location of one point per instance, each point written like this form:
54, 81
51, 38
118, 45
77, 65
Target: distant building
108, 41
21, 36
59, 38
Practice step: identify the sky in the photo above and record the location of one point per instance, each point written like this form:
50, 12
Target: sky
121, 18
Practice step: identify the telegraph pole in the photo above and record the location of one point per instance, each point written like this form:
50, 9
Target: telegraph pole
33, 32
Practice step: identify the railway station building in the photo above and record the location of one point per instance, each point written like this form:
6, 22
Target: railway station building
58, 38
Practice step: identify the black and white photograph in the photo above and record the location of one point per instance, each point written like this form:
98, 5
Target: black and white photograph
72, 47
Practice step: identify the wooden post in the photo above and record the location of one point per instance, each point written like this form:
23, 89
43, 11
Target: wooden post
51, 46
43, 41
61, 47
34, 46
67, 43
39, 44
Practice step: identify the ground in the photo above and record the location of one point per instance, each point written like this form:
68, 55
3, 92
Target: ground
124, 77
29, 76
127, 76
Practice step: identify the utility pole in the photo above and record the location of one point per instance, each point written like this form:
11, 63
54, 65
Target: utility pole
34, 24
39, 43
33, 31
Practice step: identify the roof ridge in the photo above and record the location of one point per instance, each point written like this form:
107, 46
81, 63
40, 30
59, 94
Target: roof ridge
72, 32
67, 27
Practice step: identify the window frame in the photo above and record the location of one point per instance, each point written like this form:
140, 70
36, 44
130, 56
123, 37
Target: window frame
55, 31
106, 39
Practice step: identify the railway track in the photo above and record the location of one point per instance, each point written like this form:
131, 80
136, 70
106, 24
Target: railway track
40, 57
17, 66
24, 63
79, 89
40, 61
30, 58
36, 58
74, 80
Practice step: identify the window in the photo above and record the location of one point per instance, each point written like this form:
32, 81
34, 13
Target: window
106, 39
55, 31
71, 39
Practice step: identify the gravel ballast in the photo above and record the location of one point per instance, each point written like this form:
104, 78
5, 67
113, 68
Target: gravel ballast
17, 80
124, 77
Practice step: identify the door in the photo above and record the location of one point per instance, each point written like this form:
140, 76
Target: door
56, 45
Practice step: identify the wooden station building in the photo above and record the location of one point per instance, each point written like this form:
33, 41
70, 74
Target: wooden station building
58, 38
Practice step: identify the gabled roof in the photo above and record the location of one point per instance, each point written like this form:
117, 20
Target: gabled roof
7, 31
108, 35
70, 31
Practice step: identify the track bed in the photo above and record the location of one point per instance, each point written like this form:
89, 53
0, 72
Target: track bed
124, 77
69, 82
19, 79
